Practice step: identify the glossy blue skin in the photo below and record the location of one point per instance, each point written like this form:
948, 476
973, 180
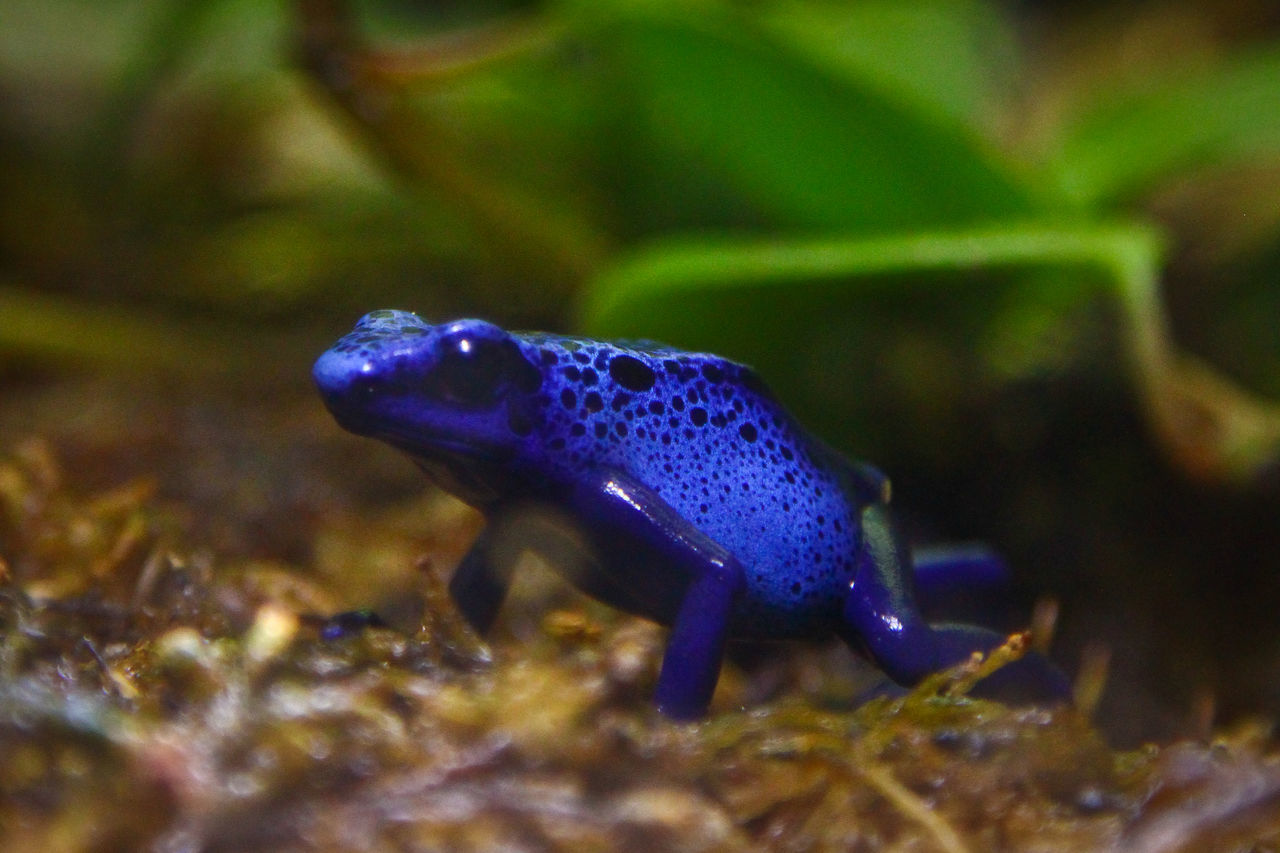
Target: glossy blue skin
705, 505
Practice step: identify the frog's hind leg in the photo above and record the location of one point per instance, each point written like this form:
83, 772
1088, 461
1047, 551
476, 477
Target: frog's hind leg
882, 616
942, 568
966, 580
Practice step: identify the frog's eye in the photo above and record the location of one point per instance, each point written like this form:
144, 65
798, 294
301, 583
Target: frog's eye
472, 370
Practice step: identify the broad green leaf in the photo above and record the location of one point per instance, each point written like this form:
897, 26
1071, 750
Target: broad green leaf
1224, 113
955, 58
716, 108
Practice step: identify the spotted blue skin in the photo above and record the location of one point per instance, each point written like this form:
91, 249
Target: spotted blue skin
705, 506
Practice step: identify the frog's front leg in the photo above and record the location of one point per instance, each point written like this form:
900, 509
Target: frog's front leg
480, 583
881, 614
695, 649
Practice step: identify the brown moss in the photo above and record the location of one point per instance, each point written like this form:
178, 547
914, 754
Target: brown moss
154, 695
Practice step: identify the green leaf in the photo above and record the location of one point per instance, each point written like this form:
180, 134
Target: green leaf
720, 109
669, 271
1227, 112
954, 58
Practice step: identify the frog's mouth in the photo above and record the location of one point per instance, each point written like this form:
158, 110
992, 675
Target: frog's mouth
416, 441
477, 473
432, 444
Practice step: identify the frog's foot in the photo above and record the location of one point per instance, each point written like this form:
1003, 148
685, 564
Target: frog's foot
349, 623
882, 617
1031, 678
909, 649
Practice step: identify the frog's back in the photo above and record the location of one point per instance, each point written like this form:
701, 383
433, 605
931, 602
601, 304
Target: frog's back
707, 436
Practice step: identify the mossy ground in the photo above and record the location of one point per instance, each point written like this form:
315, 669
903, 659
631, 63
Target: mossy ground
164, 685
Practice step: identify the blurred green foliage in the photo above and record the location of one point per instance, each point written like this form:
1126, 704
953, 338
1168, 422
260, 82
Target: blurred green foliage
239, 175
957, 237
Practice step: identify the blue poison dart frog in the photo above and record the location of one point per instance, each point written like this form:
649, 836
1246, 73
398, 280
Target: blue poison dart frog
704, 505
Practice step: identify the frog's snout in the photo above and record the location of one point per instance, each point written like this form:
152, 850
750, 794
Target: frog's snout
347, 370
332, 374
337, 376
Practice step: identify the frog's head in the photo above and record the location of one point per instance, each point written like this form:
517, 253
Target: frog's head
453, 393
